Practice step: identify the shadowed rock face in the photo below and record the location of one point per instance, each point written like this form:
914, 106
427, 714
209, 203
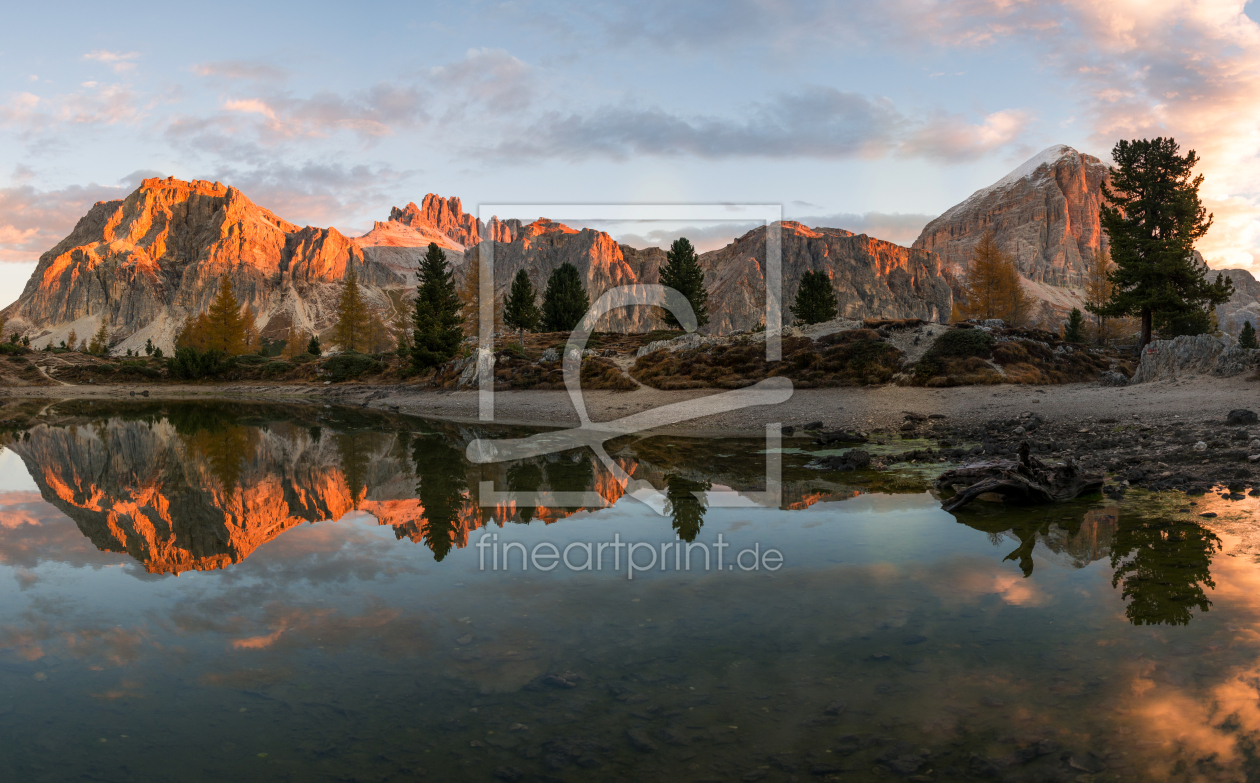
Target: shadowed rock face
1045, 213
142, 265
870, 276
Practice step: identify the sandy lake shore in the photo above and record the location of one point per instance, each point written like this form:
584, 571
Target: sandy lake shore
1199, 400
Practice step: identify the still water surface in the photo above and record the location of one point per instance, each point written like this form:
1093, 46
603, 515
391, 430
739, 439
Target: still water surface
212, 593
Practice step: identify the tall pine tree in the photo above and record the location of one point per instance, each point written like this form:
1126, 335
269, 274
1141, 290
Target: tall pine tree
520, 311
815, 299
565, 300
353, 318
436, 317
1153, 216
682, 272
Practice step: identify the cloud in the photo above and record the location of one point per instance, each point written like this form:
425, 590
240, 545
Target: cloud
818, 122
37, 119
34, 220
317, 192
493, 79
951, 138
241, 70
897, 227
121, 62
246, 125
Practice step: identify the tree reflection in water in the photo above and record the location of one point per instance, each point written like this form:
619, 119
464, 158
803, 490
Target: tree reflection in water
210, 431
442, 491
524, 477
571, 471
1163, 566
685, 507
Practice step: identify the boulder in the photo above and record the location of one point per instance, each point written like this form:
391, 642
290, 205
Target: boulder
1198, 354
1240, 416
1113, 378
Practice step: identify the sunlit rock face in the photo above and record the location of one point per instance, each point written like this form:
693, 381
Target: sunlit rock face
1045, 213
872, 278
143, 264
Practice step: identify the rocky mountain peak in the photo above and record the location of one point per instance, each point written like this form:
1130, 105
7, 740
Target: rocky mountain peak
444, 214
1044, 212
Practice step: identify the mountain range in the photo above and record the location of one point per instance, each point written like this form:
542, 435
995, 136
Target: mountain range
143, 264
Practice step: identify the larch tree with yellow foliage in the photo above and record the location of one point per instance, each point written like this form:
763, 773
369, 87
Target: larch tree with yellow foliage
351, 331
992, 286
100, 341
224, 327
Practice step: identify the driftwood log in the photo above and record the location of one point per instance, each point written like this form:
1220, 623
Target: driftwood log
1026, 481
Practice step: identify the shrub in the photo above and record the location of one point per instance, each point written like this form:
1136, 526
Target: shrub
598, 373
272, 369
250, 360
963, 343
139, 368
189, 364
349, 365
12, 349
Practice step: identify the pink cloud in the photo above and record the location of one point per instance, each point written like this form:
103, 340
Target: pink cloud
33, 221
120, 62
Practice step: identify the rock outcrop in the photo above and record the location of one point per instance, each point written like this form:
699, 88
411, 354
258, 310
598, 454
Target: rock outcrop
1199, 354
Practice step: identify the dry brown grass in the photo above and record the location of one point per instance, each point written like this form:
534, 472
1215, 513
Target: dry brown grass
852, 358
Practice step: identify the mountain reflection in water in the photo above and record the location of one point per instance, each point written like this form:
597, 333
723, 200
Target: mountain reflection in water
184, 487
897, 642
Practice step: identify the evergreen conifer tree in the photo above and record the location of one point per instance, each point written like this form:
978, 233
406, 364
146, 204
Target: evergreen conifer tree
1153, 216
313, 347
1074, 329
520, 311
815, 299
436, 319
1247, 337
682, 272
565, 300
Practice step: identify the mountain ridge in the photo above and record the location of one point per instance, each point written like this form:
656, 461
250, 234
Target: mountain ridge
142, 264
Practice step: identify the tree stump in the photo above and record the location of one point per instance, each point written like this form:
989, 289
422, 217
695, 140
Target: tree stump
1027, 481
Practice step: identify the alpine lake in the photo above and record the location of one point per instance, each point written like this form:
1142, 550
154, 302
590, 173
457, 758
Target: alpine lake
241, 592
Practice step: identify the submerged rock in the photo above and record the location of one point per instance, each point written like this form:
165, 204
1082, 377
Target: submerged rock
854, 459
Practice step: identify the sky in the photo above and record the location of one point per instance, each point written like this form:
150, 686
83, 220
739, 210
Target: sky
873, 117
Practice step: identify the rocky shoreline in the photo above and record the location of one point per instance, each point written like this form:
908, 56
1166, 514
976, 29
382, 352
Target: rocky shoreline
1159, 436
